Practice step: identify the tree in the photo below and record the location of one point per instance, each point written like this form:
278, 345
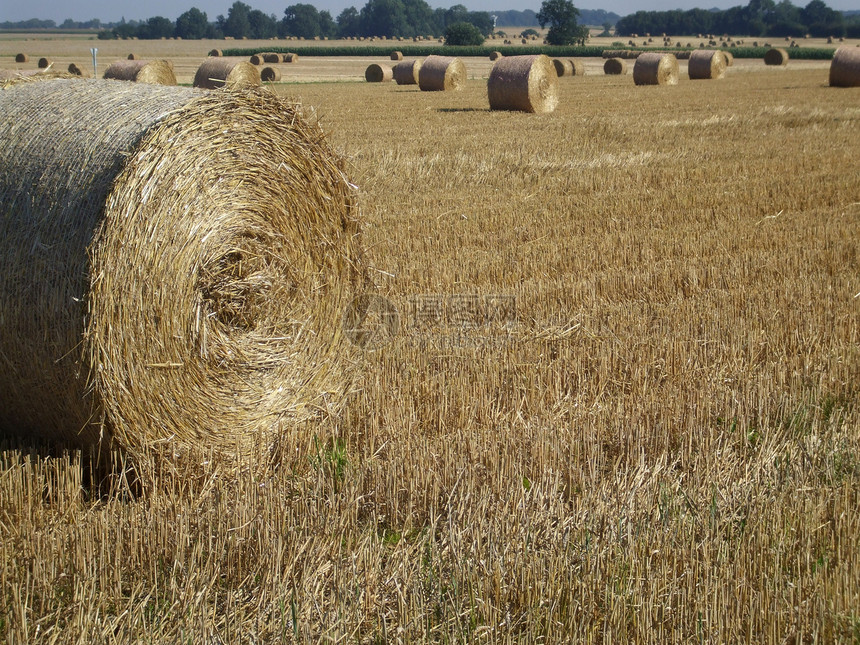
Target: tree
155, 28
349, 22
561, 16
237, 24
192, 25
463, 33
383, 18
262, 26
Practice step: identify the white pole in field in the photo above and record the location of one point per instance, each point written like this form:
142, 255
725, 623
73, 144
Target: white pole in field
94, 51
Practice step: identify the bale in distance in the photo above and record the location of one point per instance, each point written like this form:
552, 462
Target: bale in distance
614, 66
523, 83
78, 71
776, 56
45, 62
397, 55
655, 68
562, 67
215, 52
495, 55
155, 72
256, 59
406, 72
178, 292
730, 58
845, 67
272, 57
291, 58
376, 73
270, 74
441, 74
578, 67
22, 58
706, 64
133, 57
218, 72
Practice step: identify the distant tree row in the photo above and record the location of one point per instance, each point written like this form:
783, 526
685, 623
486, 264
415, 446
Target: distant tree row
758, 18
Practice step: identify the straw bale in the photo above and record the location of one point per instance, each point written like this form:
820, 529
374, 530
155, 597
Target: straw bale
406, 72
845, 67
189, 286
614, 66
730, 58
45, 62
562, 67
291, 58
524, 83
706, 64
376, 73
218, 72
158, 72
397, 55
216, 52
495, 55
272, 57
655, 68
441, 74
578, 67
133, 57
776, 56
78, 71
22, 58
256, 59
270, 74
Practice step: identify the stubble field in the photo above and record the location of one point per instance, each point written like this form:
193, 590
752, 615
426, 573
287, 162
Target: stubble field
620, 401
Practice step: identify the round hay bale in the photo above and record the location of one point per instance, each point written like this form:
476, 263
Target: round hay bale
524, 83
845, 67
270, 74
256, 59
562, 67
376, 73
216, 52
406, 72
22, 58
155, 72
615, 66
189, 287
291, 58
441, 74
78, 71
776, 56
706, 64
496, 55
396, 55
133, 57
578, 67
272, 57
45, 62
655, 68
730, 58
218, 72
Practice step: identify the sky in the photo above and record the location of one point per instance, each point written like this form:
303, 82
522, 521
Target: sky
114, 10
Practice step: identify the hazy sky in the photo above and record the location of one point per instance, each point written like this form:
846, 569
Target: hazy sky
114, 10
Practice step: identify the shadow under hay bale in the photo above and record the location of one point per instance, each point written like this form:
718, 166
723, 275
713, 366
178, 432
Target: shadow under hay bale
376, 73
406, 72
154, 72
845, 67
655, 68
614, 66
706, 64
776, 56
179, 290
218, 72
523, 83
441, 74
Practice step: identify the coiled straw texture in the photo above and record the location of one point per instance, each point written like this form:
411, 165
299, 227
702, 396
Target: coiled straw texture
524, 83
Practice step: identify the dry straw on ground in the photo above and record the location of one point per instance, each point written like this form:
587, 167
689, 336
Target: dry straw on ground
707, 64
614, 66
215, 52
563, 67
845, 67
189, 285
495, 55
376, 73
776, 56
406, 72
441, 74
524, 83
270, 74
22, 58
154, 72
655, 68
397, 55
218, 72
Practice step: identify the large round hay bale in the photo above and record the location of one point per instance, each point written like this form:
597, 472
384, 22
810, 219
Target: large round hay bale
655, 68
495, 55
397, 55
291, 58
614, 66
776, 56
578, 67
216, 52
845, 67
45, 62
270, 74
376, 73
189, 286
153, 72
256, 59
78, 71
706, 64
730, 58
22, 58
562, 67
406, 72
218, 72
441, 74
524, 83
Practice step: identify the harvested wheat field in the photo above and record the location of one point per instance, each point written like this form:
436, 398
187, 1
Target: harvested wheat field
606, 392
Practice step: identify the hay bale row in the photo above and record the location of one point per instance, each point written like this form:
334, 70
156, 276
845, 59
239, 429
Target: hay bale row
523, 83
776, 56
176, 291
615, 66
655, 68
376, 73
845, 67
155, 72
441, 74
406, 72
707, 64
218, 72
